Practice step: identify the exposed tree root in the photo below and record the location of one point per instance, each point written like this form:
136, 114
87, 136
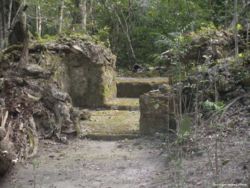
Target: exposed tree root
33, 139
231, 104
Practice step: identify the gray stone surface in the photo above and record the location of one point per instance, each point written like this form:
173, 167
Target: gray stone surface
135, 87
157, 113
86, 71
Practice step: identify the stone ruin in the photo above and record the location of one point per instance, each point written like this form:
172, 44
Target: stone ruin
84, 70
38, 98
217, 69
157, 112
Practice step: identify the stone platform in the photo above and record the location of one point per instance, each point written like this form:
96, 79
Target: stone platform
123, 104
111, 125
128, 87
119, 118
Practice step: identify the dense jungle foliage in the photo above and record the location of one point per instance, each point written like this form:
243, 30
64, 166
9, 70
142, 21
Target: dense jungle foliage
138, 31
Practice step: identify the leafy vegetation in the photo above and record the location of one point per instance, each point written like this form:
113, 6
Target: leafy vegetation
137, 31
213, 106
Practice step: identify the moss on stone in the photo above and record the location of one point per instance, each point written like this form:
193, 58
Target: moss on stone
123, 104
112, 123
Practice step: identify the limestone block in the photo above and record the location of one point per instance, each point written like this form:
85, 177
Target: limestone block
135, 87
86, 71
157, 112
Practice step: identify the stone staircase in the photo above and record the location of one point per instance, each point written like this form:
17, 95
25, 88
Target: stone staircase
120, 117
131, 104
112, 125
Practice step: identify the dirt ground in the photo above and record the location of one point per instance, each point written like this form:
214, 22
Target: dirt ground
91, 164
210, 158
136, 163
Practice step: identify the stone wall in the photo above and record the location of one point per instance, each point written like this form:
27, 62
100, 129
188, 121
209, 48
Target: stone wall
157, 113
86, 71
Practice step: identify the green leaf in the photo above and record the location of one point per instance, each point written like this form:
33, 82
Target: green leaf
217, 106
185, 126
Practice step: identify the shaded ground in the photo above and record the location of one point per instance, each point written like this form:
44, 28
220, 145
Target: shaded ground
90, 164
138, 163
213, 154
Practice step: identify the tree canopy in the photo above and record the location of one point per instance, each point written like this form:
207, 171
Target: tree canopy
138, 31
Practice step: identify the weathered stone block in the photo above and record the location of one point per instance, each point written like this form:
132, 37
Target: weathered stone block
157, 112
135, 87
86, 71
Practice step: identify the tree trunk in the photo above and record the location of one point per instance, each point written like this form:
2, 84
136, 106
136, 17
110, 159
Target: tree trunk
38, 21
1, 25
90, 15
61, 17
80, 15
126, 31
83, 11
10, 13
10, 27
248, 41
236, 29
24, 28
3, 28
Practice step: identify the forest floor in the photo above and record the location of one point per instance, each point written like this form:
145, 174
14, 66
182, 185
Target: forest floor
85, 163
135, 163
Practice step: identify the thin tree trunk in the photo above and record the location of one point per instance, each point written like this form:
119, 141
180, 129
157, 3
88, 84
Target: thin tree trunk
10, 13
248, 28
1, 24
17, 14
90, 14
80, 15
3, 29
61, 17
24, 16
236, 29
225, 9
83, 13
25, 51
38, 21
126, 31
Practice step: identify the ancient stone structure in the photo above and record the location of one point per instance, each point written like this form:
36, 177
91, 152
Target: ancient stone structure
159, 108
39, 94
135, 87
86, 71
157, 112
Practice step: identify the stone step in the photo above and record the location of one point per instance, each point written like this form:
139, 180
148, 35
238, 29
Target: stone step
134, 87
123, 104
111, 125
